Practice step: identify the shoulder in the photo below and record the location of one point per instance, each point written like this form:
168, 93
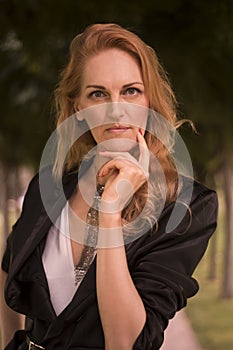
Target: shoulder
195, 204
194, 188
202, 192
32, 197
44, 187
183, 228
203, 206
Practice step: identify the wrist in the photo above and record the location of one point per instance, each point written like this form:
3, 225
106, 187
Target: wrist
109, 219
110, 231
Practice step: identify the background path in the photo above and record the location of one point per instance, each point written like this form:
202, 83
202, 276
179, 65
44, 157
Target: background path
179, 335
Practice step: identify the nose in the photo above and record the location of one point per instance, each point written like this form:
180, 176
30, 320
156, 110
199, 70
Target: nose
115, 111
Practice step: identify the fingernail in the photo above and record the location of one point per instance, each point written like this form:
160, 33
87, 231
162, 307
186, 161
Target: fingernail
140, 130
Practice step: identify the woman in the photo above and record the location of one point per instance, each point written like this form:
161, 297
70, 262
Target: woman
115, 288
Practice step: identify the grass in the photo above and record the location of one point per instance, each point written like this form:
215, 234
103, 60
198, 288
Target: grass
211, 316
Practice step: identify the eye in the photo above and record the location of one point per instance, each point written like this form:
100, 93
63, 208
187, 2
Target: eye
132, 91
97, 94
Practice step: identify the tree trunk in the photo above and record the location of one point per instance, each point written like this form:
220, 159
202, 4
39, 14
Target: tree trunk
227, 291
212, 275
4, 201
17, 189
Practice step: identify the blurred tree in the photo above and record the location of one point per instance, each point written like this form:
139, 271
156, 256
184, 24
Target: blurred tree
195, 40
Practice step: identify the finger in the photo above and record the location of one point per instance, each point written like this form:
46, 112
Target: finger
115, 155
144, 157
114, 164
123, 157
119, 155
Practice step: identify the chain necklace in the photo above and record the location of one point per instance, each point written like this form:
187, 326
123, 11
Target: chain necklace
91, 237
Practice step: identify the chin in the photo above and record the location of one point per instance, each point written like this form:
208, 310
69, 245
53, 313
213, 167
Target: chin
117, 145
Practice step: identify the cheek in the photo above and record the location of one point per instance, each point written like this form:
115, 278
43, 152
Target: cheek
96, 133
137, 116
95, 116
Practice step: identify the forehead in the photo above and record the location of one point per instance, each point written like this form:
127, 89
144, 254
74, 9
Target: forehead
111, 66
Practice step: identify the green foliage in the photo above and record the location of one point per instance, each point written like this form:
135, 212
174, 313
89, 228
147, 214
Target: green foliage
194, 39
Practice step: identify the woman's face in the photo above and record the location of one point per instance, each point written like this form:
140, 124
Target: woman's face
113, 76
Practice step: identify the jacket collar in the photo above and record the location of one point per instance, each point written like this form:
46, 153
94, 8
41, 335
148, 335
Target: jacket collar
48, 210
27, 239
84, 296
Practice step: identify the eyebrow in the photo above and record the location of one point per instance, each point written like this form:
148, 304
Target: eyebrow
103, 87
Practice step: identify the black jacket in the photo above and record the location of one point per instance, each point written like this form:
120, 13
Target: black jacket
161, 265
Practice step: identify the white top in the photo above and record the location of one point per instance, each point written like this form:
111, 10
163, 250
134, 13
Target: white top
58, 263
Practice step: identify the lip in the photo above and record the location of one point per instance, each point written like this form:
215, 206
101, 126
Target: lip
118, 128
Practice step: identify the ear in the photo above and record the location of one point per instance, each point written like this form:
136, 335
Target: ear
79, 115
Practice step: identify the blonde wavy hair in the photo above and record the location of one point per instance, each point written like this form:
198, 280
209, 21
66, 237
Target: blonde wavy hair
97, 38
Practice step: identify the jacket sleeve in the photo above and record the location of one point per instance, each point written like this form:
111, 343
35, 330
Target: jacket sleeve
163, 272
